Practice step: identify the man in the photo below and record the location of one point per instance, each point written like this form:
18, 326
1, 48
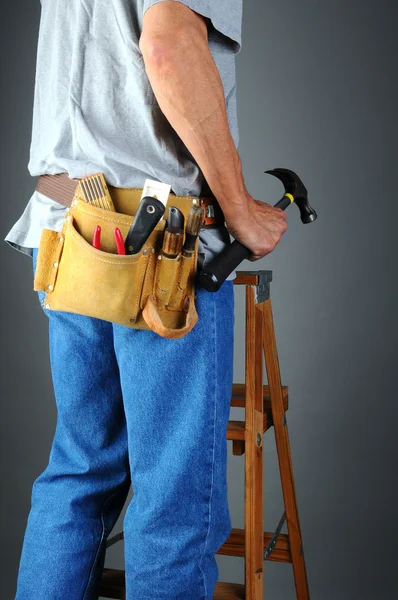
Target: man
137, 89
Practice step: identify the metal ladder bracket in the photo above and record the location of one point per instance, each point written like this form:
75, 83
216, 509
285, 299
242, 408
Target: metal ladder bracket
262, 289
272, 543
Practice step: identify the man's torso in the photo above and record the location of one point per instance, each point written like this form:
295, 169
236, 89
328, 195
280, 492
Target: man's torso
94, 108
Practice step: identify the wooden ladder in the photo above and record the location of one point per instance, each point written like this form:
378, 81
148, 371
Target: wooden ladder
265, 406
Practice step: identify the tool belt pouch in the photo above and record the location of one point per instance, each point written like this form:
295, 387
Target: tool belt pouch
145, 290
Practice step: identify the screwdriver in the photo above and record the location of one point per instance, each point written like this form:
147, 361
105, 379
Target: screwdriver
172, 241
194, 222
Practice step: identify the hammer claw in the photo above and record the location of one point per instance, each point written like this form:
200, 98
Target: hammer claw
294, 186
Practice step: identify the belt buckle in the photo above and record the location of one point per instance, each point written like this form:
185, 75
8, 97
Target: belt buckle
212, 211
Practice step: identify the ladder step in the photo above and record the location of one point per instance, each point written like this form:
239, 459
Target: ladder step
239, 396
236, 429
234, 545
229, 591
113, 586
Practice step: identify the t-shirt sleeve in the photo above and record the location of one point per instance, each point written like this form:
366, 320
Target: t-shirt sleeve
225, 18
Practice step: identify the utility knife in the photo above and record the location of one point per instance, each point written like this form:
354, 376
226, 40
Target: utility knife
150, 211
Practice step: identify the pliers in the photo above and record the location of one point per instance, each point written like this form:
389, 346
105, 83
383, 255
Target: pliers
118, 237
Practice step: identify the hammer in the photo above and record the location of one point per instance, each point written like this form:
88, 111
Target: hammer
213, 275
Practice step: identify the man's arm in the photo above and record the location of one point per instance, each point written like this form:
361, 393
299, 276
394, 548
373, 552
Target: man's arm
189, 91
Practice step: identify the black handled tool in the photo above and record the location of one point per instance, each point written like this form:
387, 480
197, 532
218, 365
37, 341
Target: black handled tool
175, 218
214, 274
150, 211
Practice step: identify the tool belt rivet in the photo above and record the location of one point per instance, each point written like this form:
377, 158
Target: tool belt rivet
61, 239
47, 306
55, 264
50, 287
145, 252
132, 320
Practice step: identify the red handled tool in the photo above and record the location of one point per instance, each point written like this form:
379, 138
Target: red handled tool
118, 237
119, 241
96, 237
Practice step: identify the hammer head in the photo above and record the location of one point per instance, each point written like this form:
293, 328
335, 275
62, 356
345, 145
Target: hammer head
295, 187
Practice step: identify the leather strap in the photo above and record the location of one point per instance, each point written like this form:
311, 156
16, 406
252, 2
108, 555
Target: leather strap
62, 189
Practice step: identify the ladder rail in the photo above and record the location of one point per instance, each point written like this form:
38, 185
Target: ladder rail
283, 451
254, 418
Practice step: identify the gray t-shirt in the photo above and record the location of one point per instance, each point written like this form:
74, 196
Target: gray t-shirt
95, 110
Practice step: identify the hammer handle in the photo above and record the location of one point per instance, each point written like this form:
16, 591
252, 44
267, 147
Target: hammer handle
215, 273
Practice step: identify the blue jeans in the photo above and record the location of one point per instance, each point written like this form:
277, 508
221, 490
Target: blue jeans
134, 408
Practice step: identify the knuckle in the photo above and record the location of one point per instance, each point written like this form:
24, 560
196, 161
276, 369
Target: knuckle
266, 249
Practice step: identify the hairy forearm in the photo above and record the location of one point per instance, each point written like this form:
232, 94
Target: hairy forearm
189, 91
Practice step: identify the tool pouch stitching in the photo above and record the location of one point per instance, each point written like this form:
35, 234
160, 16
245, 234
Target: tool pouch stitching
166, 279
186, 278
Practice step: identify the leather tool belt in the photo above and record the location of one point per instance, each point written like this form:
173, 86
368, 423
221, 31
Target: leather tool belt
145, 290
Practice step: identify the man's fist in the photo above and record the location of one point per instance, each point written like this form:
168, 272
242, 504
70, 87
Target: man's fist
257, 225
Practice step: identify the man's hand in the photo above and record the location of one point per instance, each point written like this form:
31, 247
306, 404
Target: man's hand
257, 225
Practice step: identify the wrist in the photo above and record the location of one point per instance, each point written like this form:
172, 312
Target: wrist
236, 206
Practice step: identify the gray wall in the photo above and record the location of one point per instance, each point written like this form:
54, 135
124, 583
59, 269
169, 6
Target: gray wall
317, 93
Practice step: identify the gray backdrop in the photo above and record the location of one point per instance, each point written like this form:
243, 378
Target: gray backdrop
317, 93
